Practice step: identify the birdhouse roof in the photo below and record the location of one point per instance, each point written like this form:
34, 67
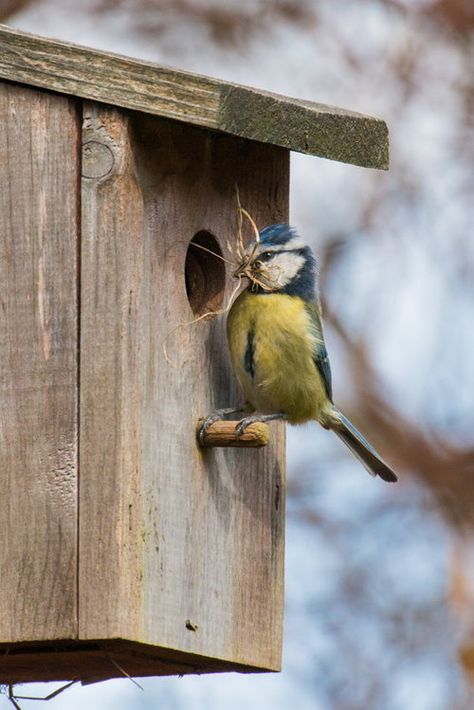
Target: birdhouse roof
302, 126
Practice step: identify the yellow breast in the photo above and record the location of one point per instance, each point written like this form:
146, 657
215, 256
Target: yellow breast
271, 346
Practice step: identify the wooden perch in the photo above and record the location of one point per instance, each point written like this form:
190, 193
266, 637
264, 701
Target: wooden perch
222, 433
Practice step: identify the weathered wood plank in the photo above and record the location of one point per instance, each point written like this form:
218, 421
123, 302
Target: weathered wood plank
303, 126
179, 547
38, 364
91, 662
112, 370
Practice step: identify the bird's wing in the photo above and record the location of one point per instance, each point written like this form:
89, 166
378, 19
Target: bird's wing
320, 355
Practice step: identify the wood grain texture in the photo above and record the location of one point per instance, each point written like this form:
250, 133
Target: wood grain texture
38, 364
180, 547
222, 433
303, 126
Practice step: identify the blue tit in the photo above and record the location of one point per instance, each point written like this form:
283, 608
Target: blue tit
277, 344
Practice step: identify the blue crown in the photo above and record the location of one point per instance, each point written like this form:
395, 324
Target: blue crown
276, 234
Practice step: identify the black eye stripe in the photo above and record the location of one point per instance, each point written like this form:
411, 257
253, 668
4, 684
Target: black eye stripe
267, 255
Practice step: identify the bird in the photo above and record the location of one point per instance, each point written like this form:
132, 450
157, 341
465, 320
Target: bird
277, 348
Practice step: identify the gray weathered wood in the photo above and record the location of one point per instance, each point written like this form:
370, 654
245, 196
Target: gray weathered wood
38, 364
303, 126
179, 547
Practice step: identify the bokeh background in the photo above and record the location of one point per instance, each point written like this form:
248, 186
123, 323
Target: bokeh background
380, 579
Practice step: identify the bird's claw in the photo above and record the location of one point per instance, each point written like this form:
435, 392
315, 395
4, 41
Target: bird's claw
243, 424
210, 419
214, 416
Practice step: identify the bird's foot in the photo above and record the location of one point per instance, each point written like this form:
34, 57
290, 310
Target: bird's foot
215, 416
247, 421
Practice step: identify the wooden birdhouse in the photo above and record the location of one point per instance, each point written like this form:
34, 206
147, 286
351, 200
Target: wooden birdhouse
125, 547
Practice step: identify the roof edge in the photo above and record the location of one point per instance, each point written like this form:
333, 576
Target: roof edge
302, 126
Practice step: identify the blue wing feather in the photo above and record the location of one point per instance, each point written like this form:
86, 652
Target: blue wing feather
320, 354
321, 360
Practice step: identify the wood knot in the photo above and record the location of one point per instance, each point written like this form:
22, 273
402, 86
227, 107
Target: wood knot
97, 160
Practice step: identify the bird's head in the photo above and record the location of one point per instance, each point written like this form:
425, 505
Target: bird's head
279, 261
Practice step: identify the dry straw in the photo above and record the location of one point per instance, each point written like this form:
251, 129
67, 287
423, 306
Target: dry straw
241, 258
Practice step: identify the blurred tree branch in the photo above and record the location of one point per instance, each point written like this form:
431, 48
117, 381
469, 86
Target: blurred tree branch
10, 7
448, 470
227, 23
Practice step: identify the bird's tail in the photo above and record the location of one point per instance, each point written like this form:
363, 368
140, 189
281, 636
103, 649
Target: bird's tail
360, 447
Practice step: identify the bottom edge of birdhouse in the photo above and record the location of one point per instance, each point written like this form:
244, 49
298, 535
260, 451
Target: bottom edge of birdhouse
94, 661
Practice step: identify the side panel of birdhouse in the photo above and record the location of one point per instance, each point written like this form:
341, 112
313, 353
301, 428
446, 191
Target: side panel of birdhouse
39, 160
179, 547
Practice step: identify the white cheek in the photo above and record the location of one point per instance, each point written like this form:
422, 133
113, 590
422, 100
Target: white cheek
297, 243
285, 267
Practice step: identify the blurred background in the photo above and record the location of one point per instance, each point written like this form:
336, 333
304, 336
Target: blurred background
380, 579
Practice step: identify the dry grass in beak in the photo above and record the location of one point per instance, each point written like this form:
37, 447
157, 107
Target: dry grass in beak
242, 270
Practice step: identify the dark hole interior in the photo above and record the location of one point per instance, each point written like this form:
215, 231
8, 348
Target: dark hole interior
204, 274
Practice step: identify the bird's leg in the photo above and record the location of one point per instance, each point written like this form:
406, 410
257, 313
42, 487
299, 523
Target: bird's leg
215, 416
244, 423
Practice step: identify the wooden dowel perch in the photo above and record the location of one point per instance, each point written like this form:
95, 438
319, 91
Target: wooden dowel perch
222, 433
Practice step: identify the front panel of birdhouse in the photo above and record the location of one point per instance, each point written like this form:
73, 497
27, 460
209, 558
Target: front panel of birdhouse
117, 527
179, 547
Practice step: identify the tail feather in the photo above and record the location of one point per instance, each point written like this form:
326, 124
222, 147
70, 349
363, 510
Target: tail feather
361, 448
